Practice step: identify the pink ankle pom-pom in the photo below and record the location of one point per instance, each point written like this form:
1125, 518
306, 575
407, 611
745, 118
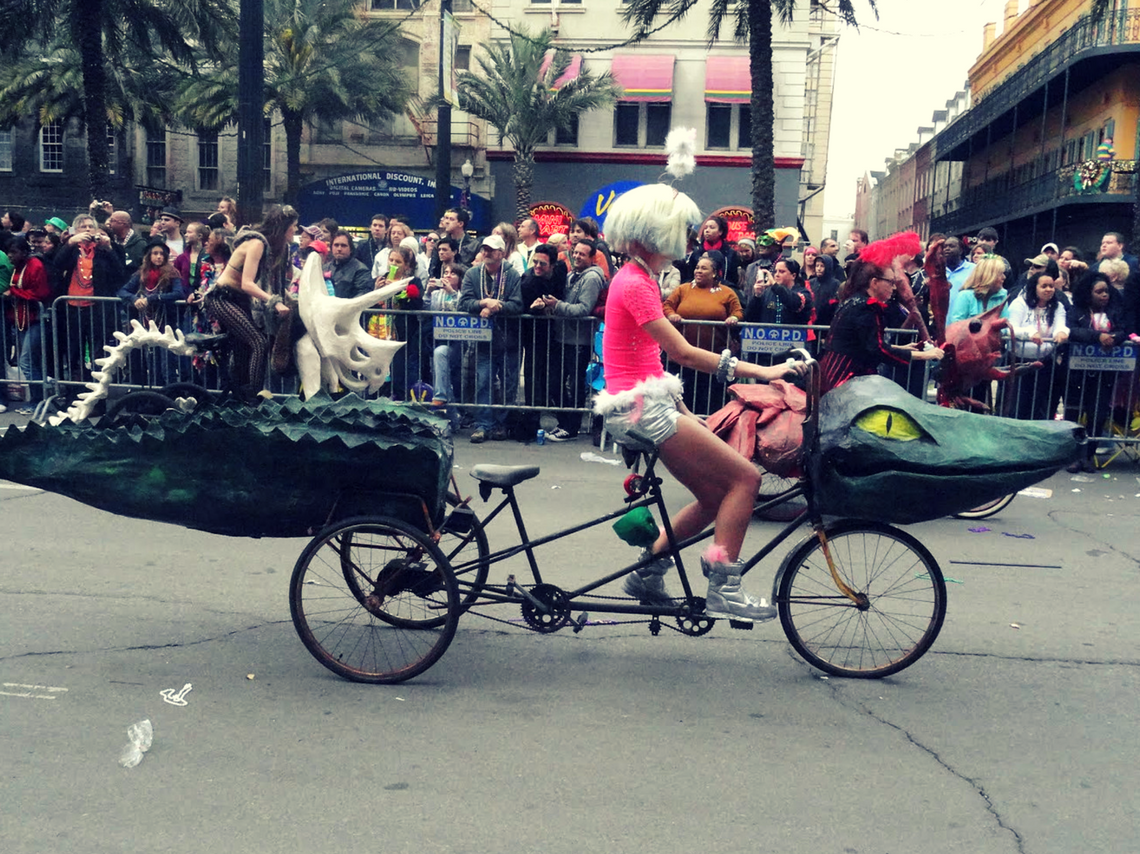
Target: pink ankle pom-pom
717, 554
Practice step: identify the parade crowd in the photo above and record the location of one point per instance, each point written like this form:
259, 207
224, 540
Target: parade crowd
212, 275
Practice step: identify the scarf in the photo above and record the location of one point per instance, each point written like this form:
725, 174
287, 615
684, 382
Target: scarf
81, 277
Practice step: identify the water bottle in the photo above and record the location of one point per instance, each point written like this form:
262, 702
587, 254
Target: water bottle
540, 436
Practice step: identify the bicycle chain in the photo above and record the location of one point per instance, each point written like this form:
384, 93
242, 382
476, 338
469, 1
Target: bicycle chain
522, 624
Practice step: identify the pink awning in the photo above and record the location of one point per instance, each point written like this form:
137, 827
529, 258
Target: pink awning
644, 78
728, 80
571, 72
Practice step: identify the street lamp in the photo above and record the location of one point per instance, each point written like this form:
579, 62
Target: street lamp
468, 170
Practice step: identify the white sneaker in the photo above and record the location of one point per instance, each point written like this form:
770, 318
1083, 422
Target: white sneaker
559, 435
728, 600
3, 408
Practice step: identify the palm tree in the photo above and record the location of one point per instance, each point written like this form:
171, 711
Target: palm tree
322, 62
516, 95
752, 23
47, 82
104, 33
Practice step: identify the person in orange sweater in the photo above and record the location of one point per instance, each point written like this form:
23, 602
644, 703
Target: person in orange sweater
707, 297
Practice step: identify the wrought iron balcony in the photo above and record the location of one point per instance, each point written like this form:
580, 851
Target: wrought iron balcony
996, 201
1085, 38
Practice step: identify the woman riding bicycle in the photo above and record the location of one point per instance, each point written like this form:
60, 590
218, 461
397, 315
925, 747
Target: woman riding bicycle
643, 410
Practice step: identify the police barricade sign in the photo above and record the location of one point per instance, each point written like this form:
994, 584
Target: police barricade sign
462, 327
770, 339
1091, 357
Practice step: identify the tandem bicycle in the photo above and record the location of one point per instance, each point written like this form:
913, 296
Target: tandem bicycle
379, 600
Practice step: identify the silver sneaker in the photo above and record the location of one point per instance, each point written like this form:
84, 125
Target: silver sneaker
648, 583
728, 600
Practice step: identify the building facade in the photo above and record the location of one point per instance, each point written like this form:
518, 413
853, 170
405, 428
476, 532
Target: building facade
673, 78
1046, 150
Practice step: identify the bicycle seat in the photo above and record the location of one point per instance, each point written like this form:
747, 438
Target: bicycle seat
504, 475
203, 341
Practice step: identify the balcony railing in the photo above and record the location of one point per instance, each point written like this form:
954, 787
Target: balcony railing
996, 201
1115, 29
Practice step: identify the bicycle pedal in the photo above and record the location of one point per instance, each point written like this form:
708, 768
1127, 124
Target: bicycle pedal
580, 623
741, 624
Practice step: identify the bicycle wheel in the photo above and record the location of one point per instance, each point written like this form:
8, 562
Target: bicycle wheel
771, 485
903, 600
463, 541
990, 508
374, 600
135, 407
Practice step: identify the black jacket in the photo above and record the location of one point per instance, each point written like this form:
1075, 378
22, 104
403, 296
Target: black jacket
107, 274
1081, 328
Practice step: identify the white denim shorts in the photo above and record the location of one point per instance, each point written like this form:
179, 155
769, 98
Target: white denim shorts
644, 417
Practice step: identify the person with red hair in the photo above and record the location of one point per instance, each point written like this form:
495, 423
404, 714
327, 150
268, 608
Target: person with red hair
856, 344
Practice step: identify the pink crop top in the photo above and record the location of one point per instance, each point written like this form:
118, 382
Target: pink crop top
629, 353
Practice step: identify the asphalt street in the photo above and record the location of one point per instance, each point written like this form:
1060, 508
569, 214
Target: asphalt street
1016, 733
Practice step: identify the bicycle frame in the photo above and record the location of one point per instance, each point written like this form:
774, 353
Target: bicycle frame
651, 496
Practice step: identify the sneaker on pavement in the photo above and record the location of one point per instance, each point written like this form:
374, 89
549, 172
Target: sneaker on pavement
478, 437
559, 435
728, 600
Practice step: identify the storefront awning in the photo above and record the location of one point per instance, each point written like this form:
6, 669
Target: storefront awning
572, 70
644, 78
728, 80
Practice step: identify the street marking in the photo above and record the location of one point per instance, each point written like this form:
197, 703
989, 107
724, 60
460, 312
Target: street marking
29, 693
176, 699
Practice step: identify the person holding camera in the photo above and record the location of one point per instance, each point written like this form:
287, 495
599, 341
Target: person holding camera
89, 267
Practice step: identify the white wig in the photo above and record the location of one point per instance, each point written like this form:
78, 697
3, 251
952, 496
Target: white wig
655, 216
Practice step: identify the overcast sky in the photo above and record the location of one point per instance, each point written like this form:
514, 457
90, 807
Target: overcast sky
891, 75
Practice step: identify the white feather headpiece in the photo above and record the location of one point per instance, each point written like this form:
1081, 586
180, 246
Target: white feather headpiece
681, 147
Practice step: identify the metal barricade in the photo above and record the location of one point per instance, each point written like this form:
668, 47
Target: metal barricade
22, 336
524, 365
521, 363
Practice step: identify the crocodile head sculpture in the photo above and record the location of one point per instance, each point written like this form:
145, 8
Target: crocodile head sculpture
885, 455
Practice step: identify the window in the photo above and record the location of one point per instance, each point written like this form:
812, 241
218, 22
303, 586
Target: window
657, 124
156, 159
394, 5
463, 57
409, 54
726, 123
641, 125
5, 151
627, 118
112, 149
207, 160
51, 147
568, 136
719, 125
267, 156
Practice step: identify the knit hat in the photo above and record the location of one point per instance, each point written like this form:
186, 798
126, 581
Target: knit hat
746, 240
717, 257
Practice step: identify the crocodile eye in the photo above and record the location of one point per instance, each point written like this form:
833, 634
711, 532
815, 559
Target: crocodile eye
889, 423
